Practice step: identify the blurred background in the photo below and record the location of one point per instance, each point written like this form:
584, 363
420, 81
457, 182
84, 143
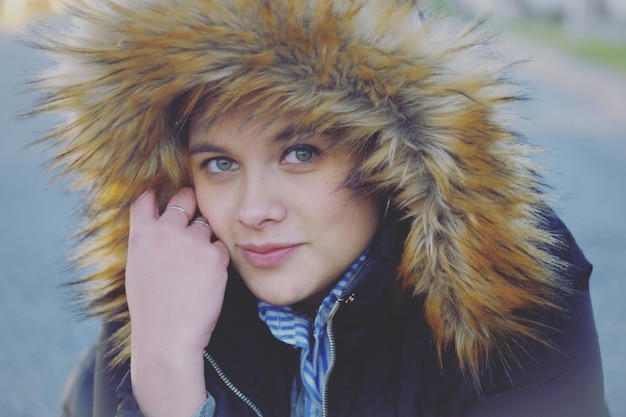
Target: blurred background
576, 75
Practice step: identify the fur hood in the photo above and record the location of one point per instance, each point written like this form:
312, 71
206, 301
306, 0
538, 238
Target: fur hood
426, 100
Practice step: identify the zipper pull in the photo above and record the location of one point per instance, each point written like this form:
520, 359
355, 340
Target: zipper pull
349, 299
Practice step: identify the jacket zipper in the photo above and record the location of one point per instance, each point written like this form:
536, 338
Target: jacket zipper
331, 339
331, 336
230, 385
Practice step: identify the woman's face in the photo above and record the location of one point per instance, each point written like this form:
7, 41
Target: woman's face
275, 202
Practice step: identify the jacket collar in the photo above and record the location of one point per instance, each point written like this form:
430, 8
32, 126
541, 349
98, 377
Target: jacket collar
362, 319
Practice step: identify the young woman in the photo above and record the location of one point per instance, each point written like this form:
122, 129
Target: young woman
311, 208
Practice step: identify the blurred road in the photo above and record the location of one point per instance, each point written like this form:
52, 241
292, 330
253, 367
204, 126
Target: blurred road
40, 337
578, 115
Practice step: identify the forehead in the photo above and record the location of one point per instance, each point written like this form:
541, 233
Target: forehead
246, 122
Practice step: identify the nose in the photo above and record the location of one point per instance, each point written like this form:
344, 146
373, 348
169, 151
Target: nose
261, 203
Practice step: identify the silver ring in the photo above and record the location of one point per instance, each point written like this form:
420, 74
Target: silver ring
205, 224
179, 208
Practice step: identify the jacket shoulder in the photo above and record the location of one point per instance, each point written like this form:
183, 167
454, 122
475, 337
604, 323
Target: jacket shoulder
77, 399
577, 269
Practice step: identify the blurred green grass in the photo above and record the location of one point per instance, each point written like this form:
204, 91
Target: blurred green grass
604, 50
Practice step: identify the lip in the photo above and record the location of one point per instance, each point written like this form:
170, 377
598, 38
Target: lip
268, 255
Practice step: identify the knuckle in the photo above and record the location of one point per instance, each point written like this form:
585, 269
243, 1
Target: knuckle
185, 195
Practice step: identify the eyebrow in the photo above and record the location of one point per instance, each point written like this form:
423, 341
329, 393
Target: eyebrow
286, 134
205, 147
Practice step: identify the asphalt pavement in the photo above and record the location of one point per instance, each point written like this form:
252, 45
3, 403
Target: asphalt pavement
578, 115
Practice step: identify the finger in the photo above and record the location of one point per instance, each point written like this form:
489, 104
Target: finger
201, 224
223, 250
181, 207
144, 208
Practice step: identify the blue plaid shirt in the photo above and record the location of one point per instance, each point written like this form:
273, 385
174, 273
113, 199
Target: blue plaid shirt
311, 336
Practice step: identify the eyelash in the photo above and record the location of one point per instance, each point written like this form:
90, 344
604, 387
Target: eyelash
211, 164
314, 151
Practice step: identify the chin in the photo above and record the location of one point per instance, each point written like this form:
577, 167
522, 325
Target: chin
278, 300
277, 297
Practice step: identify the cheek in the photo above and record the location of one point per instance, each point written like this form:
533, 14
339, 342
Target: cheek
214, 209
344, 217
363, 217
342, 206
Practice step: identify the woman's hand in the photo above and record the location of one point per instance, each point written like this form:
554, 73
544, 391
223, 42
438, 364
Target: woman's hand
175, 283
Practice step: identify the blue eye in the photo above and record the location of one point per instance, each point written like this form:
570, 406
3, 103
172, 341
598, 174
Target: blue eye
300, 153
217, 165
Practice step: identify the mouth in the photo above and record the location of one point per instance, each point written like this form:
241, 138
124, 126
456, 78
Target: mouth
268, 255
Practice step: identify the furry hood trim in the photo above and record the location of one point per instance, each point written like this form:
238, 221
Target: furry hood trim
426, 98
